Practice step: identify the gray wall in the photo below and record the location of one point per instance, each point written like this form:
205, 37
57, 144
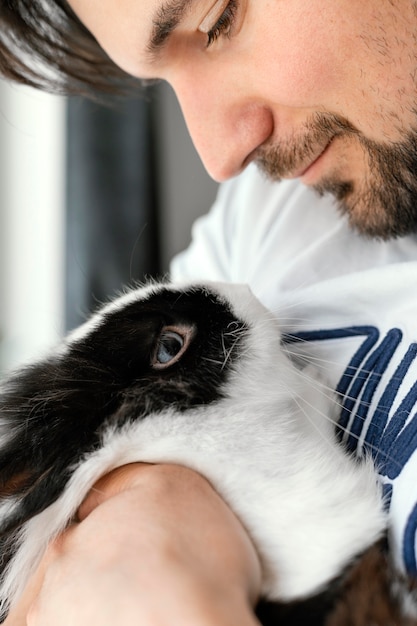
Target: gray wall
185, 189
32, 199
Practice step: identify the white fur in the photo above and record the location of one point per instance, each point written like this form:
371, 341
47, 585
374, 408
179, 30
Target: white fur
95, 321
269, 449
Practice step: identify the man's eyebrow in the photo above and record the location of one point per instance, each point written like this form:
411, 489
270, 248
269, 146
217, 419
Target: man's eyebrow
165, 21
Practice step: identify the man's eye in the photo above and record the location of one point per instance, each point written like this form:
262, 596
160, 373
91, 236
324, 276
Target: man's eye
224, 24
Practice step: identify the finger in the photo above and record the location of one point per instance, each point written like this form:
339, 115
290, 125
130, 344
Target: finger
111, 484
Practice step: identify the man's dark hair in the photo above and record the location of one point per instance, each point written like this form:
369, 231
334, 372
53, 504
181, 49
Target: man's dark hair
43, 44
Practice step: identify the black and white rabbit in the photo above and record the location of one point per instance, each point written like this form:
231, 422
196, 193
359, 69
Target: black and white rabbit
195, 375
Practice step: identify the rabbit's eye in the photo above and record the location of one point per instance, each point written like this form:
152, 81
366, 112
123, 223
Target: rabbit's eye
172, 343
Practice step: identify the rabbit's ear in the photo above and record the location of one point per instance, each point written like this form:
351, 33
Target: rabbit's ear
25, 500
17, 484
18, 472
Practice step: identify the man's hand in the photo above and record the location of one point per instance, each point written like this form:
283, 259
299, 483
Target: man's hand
155, 546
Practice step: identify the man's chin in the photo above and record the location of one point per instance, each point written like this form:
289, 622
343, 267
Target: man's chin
367, 214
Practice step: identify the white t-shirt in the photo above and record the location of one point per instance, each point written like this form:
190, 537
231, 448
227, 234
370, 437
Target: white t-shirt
350, 305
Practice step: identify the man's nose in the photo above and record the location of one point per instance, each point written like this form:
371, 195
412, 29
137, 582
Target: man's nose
226, 125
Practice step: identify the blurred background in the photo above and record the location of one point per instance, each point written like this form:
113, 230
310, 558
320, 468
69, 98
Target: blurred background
92, 197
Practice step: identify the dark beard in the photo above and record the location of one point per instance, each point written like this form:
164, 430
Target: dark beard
384, 205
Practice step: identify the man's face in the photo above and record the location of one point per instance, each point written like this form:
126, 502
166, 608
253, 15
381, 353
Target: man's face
320, 90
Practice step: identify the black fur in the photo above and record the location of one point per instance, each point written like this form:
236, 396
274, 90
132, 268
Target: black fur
56, 407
